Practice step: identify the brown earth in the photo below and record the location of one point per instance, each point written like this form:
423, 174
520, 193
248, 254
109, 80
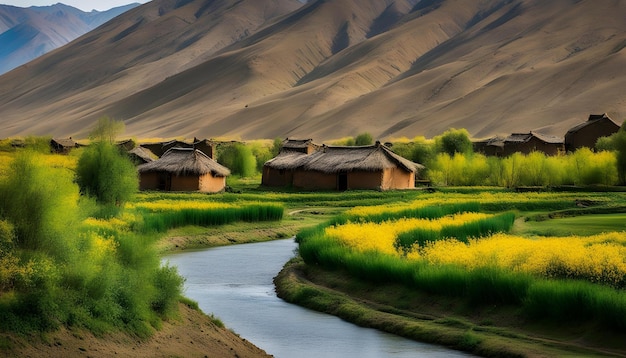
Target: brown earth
193, 334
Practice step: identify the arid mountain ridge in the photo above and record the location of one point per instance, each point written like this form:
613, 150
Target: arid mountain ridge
27, 33
255, 69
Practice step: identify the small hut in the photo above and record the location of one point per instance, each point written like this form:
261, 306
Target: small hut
183, 169
586, 134
62, 146
342, 168
305, 146
532, 142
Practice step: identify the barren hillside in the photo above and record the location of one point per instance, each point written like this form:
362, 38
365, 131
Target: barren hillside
277, 68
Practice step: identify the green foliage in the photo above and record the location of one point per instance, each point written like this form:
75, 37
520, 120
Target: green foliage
40, 203
363, 139
55, 271
454, 141
277, 145
239, 159
163, 221
106, 174
619, 142
262, 153
106, 130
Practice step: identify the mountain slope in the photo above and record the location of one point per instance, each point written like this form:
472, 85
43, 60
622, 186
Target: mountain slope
262, 69
27, 33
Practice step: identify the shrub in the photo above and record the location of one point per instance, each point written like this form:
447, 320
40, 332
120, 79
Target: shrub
363, 139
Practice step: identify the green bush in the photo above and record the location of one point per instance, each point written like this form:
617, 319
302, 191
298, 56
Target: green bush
106, 174
239, 159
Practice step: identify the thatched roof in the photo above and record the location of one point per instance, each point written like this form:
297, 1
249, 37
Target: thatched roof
593, 118
63, 142
185, 161
525, 137
143, 154
334, 159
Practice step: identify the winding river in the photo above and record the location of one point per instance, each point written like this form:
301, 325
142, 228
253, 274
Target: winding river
235, 284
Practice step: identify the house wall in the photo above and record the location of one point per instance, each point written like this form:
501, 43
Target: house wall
314, 180
396, 178
588, 135
275, 177
211, 184
185, 183
365, 180
148, 181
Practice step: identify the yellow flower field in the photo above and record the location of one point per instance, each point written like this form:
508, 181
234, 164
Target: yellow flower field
599, 258
174, 205
381, 237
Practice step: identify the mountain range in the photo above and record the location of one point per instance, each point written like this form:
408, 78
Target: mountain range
27, 33
326, 69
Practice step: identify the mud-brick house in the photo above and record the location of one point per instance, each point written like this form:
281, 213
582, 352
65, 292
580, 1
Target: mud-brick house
183, 169
62, 145
493, 146
342, 168
586, 134
206, 146
526, 143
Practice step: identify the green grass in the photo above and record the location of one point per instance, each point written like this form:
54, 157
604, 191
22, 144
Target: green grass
583, 225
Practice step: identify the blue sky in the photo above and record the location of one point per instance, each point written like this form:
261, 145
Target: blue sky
85, 5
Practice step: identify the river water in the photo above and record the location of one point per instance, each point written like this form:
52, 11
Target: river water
235, 284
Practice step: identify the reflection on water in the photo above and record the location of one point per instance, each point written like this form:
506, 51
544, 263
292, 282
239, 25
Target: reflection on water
235, 284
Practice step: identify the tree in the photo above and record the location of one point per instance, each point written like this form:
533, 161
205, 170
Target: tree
103, 171
619, 143
106, 130
454, 141
363, 139
239, 159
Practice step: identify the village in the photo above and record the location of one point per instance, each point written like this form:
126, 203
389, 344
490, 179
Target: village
301, 163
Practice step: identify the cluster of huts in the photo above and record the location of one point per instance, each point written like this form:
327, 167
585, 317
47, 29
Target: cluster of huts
183, 166
583, 135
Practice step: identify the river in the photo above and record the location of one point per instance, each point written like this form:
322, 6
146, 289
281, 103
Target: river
235, 284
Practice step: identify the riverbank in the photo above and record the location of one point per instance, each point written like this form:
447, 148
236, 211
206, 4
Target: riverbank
192, 334
487, 331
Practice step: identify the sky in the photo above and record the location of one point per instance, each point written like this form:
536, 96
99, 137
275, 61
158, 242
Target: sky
85, 5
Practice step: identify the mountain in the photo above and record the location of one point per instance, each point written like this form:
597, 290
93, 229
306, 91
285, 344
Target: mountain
327, 69
27, 33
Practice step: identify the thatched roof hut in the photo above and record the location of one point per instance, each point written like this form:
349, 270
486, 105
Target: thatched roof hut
183, 169
342, 168
299, 145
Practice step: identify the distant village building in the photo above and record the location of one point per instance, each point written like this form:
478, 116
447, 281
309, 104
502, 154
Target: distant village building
141, 155
527, 143
493, 146
62, 146
204, 145
341, 168
126, 145
183, 169
299, 145
586, 134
